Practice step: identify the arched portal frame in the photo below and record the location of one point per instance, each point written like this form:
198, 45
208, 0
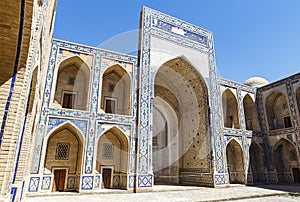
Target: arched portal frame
298, 102
257, 163
71, 84
188, 90
286, 161
168, 154
235, 162
250, 112
116, 91
112, 149
230, 110
51, 165
277, 111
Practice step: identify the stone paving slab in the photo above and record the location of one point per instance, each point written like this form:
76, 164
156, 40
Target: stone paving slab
183, 193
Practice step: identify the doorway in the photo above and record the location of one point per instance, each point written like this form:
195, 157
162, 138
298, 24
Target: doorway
296, 175
106, 175
59, 180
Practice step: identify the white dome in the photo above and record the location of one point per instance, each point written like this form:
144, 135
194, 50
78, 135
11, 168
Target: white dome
256, 82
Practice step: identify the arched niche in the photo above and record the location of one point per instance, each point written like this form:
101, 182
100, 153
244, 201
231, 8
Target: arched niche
64, 157
257, 167
113, 158
235, 162
116, 91
298, 100
286, 160
230, 110
73, 84
278, 113
250, 114
180, 122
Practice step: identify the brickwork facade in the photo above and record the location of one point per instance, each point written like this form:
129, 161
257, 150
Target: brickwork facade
79, 118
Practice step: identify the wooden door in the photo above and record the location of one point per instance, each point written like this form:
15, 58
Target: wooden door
59, 180
106, 175
296, 175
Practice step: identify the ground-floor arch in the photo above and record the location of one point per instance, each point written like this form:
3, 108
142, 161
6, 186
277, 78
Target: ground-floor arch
286, 161
112, 159
235, 163
64, 156
165, 152
256, 165
180, 135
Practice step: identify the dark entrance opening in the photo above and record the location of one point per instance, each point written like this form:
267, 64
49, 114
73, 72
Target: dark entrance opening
110, 106
59, 180
296, 175
106, 174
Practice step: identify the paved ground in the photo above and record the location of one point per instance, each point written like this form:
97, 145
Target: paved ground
272, 193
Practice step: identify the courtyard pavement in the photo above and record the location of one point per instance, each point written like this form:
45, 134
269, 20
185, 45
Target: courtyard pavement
259, 193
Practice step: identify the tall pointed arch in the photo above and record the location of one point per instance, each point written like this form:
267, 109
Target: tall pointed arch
278, 113
73, 84
180, 92
256, 165
113, 158
250, 114
230, 110
298, 99
286, 160
116, 91
64, 157
235, 162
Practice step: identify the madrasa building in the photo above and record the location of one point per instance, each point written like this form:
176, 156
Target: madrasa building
79, 118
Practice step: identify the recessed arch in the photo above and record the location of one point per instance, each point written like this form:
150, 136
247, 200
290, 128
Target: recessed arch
235, 162
116, 91
257, 167
113, 158
64, 157
250, 114
230, 110
278, 113
180, 92
286, 160
298, 100
73, 84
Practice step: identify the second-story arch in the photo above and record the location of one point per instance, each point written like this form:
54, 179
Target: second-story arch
298, 100
116, 91
250, 114
230, 110
72, 85
278, 113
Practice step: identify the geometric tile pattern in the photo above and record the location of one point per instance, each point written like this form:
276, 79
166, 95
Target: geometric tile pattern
34, 184
46, 183
87, 182
97, 181
145, 181
71, 182
85, 121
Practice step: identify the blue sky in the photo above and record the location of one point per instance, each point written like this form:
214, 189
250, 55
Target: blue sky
252, 37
